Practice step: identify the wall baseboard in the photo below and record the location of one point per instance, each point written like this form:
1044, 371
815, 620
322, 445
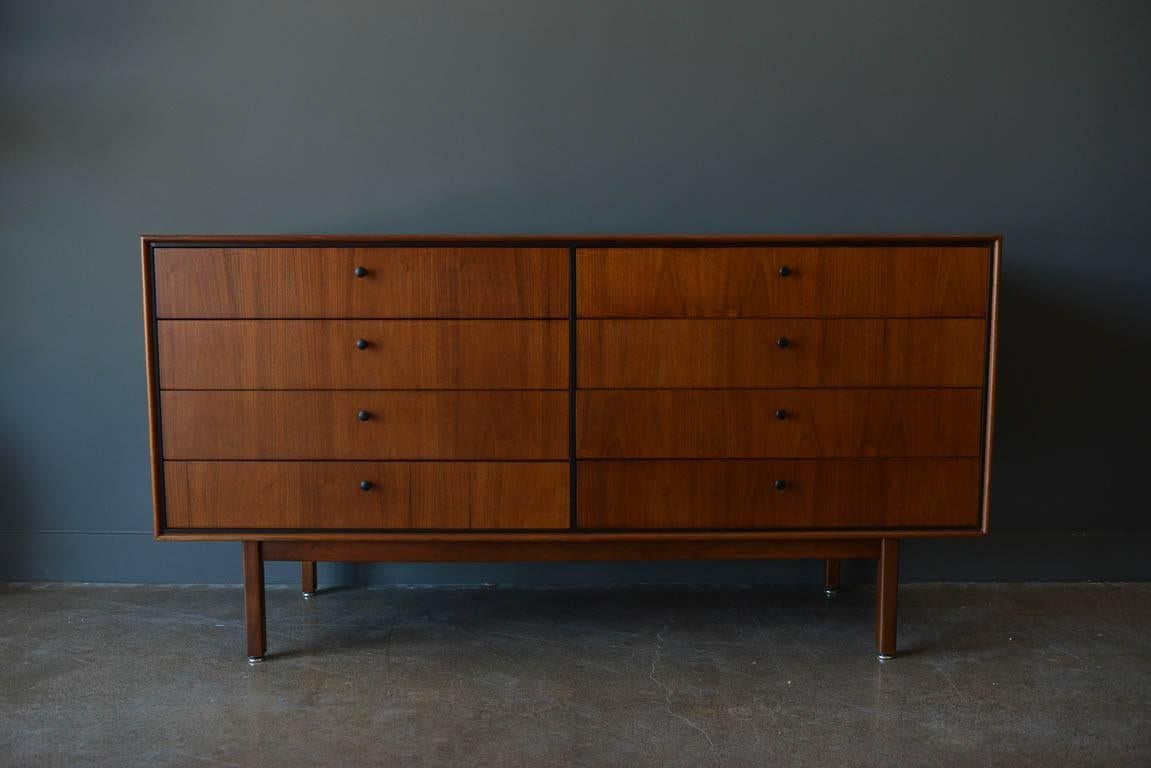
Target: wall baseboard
1010, 557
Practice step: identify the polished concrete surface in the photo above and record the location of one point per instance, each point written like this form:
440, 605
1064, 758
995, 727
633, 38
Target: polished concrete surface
1021, 675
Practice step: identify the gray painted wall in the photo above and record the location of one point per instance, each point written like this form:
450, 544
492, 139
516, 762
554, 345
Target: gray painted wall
1029, 118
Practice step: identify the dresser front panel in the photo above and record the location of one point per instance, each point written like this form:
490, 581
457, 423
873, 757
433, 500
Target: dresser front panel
395, 282
786, 423
746, 353
398, 354
315, 495
287, 425
833, 281
822, 494
443, 375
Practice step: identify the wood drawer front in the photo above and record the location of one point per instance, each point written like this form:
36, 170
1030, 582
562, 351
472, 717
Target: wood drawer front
400, 354
745, 353
746, 423
819, 495
864, 281
403, 495
397, 282
398, 425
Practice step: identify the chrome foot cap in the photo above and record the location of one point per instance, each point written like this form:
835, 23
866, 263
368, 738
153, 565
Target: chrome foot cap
255, 659
309, 595
831, 592
882, 657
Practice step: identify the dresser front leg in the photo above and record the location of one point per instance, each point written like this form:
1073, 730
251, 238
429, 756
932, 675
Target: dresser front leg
308, 578
886, 592
254, 624
831, 569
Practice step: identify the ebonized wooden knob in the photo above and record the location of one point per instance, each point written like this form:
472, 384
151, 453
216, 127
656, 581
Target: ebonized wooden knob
363, 415
360, 271
784, 271
782, 342
780, 414
365, 485
361, 343
780, 484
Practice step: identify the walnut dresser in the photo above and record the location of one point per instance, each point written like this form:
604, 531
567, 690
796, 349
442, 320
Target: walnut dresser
481, 398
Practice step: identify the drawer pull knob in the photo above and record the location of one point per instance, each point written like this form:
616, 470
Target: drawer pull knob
782, 342
784, 271
780, 484
360, 271
365, 485
361, 343
363, 415
780, 414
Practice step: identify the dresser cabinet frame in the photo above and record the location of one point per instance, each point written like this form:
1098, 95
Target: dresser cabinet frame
309, 547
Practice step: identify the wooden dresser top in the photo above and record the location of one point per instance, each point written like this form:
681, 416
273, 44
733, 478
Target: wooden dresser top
597, 239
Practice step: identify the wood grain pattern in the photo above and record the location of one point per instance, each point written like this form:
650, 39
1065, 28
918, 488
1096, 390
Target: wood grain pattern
403, 495
556, 543
836, 281
886, 598
990, 387
401, 354
832, 575
255, 627
570, 239
400, 425
684, 326
577, 537
743, 353
476, 548
152, 372
308, 577
743, 423
819, 494
403, 282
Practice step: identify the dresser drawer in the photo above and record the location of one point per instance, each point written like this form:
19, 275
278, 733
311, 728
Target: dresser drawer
862, 281
361, 282
401, 495
396, 354
785, 423
816, 494
781, 353
364, 425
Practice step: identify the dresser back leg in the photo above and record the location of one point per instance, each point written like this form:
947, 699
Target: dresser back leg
254, 620
831, 569
308, 578
886, 592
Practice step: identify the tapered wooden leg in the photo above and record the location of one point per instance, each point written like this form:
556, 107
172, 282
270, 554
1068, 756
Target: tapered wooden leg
886, 592
308, 578
254, 628
831, 575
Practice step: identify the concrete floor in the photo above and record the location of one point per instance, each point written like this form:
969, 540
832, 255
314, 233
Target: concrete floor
1023, 675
